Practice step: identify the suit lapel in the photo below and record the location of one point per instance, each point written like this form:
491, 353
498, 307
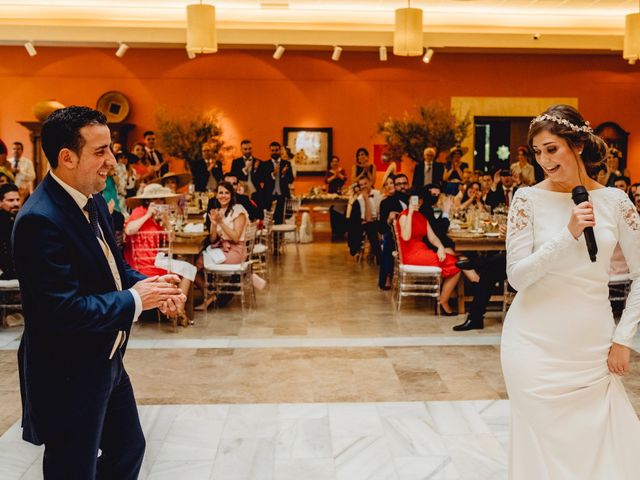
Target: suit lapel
109, 237
79, 224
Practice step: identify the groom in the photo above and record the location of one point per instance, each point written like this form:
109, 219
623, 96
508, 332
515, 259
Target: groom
79, 299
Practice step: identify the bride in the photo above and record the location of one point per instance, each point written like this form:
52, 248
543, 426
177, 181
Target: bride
562, 354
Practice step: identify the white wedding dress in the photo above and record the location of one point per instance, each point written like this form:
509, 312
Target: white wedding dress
571, 418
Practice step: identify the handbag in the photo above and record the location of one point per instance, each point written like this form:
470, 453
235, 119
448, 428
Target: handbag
213, 256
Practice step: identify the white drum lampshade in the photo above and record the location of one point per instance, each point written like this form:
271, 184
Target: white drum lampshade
201, 29
631, 49
408, 39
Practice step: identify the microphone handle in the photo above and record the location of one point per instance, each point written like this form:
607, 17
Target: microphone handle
592, 246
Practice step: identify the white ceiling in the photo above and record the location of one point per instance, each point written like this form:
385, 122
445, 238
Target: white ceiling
565, 24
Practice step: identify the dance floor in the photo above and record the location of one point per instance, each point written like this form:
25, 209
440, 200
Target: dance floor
324, 381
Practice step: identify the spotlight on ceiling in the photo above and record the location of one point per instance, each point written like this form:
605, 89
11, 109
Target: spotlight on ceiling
383, 54
122, 49
190, 54
337, 51
279, 52
31, 50
633, 60
427, 56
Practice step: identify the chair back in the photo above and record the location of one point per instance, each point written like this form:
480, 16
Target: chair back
145, 247
250, 238
396, 239
292, 207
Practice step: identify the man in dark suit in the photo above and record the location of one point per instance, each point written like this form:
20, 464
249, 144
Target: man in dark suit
390, 208
9, 207
502, 189
427, 171
79, 300
199, 170
274, 177
155, 157
245, 167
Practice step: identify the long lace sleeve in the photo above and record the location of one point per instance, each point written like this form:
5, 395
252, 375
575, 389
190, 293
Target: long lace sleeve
629, 239
524, 266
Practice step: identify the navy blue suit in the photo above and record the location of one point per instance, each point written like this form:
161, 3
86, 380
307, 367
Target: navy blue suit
75, 399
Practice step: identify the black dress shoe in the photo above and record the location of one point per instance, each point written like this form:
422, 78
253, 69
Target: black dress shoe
469, 324
465, 264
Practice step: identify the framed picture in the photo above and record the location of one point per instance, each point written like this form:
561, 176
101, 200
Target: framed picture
311, 149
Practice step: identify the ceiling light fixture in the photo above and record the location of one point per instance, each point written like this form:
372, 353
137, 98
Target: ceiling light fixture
408, 39
201, 28
31, 50
122, 49
631, 49
428, 55
383, 54
279, 52
337, 51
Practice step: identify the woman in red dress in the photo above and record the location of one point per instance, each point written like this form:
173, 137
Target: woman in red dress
413, 228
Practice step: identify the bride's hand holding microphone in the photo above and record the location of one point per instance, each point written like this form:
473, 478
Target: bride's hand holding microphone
582, 217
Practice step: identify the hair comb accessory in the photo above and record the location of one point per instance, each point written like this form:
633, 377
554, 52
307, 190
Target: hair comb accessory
563, 121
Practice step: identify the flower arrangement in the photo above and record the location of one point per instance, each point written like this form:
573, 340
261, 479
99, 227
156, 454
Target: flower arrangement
433, 126
183, 133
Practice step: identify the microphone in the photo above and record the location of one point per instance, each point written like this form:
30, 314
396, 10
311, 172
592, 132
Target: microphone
579, 194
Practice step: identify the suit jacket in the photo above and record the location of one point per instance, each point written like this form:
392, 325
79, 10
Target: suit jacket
391, 204
165, 168
6, 261
264, 176
200, 174
71, 305
418, 175
237, 166
498, 197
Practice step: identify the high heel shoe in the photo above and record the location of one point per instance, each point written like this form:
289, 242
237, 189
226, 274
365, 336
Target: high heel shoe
444, 313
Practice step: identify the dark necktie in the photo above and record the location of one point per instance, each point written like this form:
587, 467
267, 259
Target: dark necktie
90, 207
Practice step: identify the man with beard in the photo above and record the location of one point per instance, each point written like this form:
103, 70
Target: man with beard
390, 208
9, 206
244, 167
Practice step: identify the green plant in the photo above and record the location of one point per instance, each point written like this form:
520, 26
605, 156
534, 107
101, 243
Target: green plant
434, 126
182, 133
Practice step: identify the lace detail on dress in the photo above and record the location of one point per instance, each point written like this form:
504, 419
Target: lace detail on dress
629, 213
519, 215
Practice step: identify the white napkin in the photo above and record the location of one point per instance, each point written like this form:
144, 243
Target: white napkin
194, 228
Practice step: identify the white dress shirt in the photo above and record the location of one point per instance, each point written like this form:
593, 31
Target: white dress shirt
374, 199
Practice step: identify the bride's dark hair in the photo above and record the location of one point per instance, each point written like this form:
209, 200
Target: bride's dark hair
567, 122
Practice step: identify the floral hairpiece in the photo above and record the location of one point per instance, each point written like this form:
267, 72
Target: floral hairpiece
563, 121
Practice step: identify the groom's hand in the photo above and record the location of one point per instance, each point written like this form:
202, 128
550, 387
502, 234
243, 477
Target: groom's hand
154, 293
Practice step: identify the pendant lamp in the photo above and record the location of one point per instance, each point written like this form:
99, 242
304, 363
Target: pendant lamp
201, 28
407, 37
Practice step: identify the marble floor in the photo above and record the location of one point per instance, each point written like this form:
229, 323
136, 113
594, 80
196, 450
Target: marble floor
323, 380
310, 441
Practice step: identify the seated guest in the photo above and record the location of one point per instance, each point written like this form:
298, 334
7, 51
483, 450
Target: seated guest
623, 183
140, 252
142, 165
249, 205
427, 171
522, 168
336, 176
430, 196
390, 208
363, 168
491, 271
174, 181
362, 216
471, 198
9, 206
486, 180
388, 187
5, 176
608, 174
502, 189
636, 200
413, 226
226, 223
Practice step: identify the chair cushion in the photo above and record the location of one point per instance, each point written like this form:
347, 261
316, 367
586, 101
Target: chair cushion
230, 267
284, 228
260, 248
420, 269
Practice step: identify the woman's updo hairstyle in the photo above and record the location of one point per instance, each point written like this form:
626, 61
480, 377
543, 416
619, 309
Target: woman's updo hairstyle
566, 122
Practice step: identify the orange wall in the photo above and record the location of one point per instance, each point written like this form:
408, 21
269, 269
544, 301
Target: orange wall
258, 95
